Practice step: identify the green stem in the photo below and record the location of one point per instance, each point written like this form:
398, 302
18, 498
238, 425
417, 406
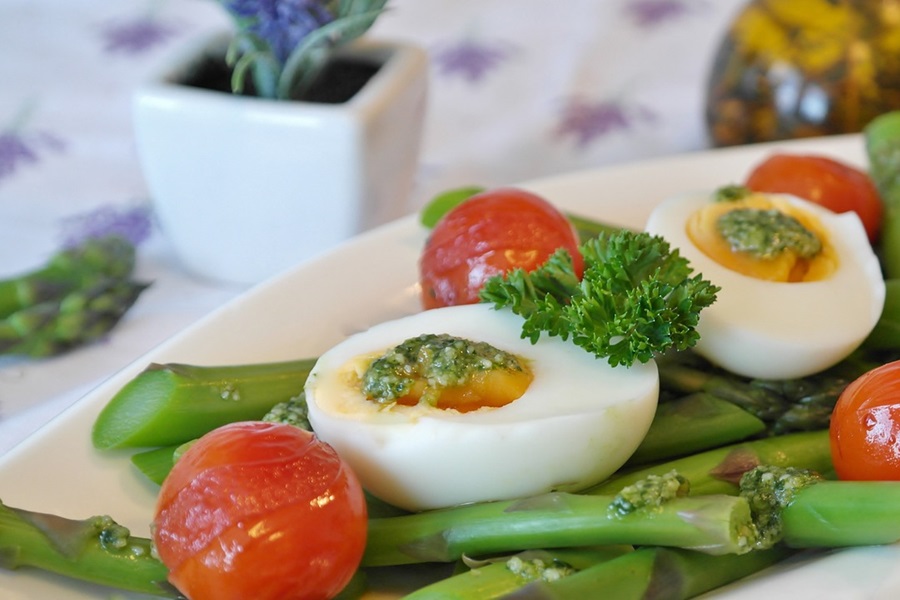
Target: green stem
886, 334
172, 404
832, 514
882, 140
95, 550
686, 379
653, 574
718, 471
500, 577
589, 228
66, 271
82, 316
694, 423
786, 405
715, 524
156, 463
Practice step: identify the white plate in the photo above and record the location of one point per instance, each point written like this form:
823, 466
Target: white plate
368, 280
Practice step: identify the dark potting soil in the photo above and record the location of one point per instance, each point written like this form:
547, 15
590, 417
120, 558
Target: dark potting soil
339, 81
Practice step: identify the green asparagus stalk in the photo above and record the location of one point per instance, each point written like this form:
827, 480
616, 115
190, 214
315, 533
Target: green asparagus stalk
652, 574
786, 405
683, 426
446, 201
694, 423
717, 524
96, 550
496, 578
170, 404
882, 141
588, 229
719, 471
802, 510
155, 463
82, 316
886, 334
73, 268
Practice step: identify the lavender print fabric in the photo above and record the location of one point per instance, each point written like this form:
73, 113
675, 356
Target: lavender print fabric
22, 146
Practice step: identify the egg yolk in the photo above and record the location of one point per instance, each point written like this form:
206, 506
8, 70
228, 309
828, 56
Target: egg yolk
445, 372
704, 230
494, 388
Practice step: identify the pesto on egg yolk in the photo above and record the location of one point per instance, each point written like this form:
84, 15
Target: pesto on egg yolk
767, 233
763, 236
446, 372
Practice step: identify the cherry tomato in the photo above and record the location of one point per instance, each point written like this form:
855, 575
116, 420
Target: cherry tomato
489, 234
865, 427
260, 510
835, 185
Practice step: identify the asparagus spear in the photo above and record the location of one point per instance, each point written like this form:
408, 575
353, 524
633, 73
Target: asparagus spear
886, 334
96, 550
882, 140
652, 574
446, 201
693, 423
68, 270
786, 405
718, 471
83, 315
492, 579
802, 510
175, 403
680, 427
155, 463
717, 524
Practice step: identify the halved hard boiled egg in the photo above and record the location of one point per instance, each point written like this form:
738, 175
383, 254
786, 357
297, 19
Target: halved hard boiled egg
801, 287
572, 423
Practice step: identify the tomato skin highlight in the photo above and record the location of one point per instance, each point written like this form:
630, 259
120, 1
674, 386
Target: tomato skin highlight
835, 185
260, 510
865, 427
489, 234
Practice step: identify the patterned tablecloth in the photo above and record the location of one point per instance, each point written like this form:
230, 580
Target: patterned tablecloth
519, 90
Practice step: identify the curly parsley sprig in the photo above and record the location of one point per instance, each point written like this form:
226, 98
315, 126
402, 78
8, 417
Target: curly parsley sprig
637, 298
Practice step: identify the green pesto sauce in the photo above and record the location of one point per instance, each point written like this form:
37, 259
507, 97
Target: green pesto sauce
537, 569
769, 490
731, 193
649, 494
766, 234
440, 360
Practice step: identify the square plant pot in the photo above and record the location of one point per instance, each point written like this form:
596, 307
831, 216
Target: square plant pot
246, 187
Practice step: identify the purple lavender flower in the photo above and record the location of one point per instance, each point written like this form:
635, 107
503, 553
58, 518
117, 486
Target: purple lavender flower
134, 223
283, 24
137, 35
647, 13
587, 121
471, 59
18, 148
13, 152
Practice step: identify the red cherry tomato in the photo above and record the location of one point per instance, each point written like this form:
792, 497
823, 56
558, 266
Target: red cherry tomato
835, 185
489, 234
865, 427
260, 510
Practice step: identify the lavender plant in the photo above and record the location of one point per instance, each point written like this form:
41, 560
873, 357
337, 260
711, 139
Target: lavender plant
284, 44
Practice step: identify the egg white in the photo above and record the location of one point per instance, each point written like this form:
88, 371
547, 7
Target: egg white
777, 330
577, 423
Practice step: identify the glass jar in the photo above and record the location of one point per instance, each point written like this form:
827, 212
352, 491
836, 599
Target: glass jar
802, 68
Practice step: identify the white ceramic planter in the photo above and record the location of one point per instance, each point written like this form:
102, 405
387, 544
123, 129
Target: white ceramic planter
245, 187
